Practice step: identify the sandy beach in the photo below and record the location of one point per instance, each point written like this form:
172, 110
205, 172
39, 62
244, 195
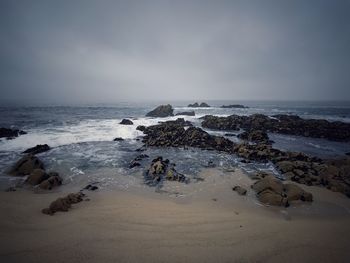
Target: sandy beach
214, 225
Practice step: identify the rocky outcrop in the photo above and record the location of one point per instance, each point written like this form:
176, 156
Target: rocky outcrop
51, 182
38, 149
10, 134
196, 105
161, 111
126, 122
63, 204
234, 106
26, 165
37, 176
186, 113
284, 124
163, 170
256, 136
240, 190
272, 191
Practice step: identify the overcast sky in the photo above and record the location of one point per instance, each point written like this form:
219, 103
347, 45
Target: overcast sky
109, 51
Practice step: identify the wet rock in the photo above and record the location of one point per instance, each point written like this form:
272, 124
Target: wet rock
37, 176
196, 105
284, 124
161, 111
257, 136
53, 181
272, 191
38, 149
91, 187
126, 122
26, 165
234, 106
118, 139
63, 204
240, 190
186, 113
163, 170
141, 157
10, 134
133, 164
230, 135
211, 164
178, 121
141, 128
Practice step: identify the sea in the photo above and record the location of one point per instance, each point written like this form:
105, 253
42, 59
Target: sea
83, 150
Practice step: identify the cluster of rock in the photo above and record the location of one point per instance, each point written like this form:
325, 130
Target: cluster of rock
63, 203
161, 111
284, 124
234, 106
272, 191
197, 105
137, 160
160, 170
257, 136
10, 134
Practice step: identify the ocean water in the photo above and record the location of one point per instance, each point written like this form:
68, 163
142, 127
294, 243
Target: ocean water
84, 150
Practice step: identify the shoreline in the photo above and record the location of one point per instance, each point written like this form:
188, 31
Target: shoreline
143, 225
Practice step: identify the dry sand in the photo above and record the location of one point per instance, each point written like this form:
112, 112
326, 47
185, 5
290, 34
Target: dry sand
144, 226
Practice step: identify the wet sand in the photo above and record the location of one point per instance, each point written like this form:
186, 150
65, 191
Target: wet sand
202, 222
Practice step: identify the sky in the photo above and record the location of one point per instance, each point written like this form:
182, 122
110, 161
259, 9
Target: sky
109, 51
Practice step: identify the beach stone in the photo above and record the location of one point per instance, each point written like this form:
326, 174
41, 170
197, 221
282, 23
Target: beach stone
240, 190
63, 204
90, 187
26, 165
126, 122
161, 111
53, 181
37, 176
295, 192
38, 149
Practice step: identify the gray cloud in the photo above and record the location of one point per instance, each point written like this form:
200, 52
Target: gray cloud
107, 51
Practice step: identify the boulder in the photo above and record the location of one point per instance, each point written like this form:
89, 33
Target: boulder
186, 113
161, 111
38, 149
54, 180
26, 165
63, 204
37, 176
240, 190
126, 122
9, 133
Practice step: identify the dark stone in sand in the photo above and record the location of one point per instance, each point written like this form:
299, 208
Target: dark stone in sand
126, 122
118, 139
54, 180
163, 170
240, 190
161, 111
284, 124
234, 106
272, 191
63, 204
196, 105
186, 113
9, 133
37, 176
90, 187
26, 165
256, 136
38, 149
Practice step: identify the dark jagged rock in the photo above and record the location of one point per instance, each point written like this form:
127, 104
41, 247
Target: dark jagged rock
63, 204
91, 187
272, 191
163, 170
234, 106
196, 105
26, 165
133, 164
186, 113
126, 122
9, 133
38, 149
37, 176
141, 128
51, 182
161, 111
179, 121
256, 136
118, 139
284, 124
240, 190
